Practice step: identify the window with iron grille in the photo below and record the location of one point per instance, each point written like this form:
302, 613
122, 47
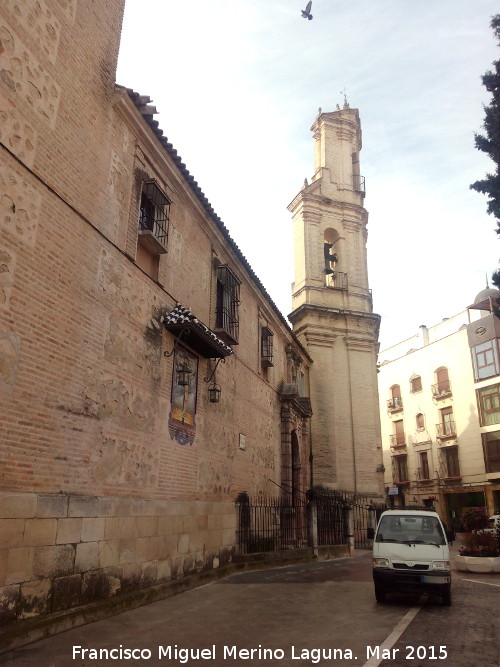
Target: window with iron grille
491, 446
154, 218
227, 306
489, 404
266, 347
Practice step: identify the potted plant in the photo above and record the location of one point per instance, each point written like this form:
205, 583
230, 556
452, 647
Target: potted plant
480, 552
474, 518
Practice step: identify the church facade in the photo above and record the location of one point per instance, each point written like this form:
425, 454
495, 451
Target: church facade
147, 379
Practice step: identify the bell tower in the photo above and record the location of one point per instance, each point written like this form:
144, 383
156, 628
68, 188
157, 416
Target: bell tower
332, 309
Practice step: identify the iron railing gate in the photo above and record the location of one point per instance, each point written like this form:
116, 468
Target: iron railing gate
275, 524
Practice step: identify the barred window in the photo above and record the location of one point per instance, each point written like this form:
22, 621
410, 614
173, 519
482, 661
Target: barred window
227, 307
266, 347
154, 218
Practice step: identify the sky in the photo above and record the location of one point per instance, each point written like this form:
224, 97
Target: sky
238, 84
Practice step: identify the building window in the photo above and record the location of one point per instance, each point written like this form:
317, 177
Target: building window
450, 463
415, 384
491, 447
489, 404
423, 472
446, 428
442, 388
395, 403
400, 468
420, 421
485, 359
266, 347
154, 218
398, 434
228, 300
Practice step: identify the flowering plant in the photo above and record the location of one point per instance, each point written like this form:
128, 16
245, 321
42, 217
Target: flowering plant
474, 518
480, 543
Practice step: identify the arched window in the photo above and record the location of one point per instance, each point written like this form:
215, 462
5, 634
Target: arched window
442, 386
420, 421
395, 402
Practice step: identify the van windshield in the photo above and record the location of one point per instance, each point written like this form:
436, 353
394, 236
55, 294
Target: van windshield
405, 529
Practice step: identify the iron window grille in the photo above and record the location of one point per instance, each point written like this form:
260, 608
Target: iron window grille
154, 217
227, 308
266, 347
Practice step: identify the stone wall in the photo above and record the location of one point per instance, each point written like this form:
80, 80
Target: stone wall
58, 551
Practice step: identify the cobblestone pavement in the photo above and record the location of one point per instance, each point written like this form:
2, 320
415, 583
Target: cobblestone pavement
290, 616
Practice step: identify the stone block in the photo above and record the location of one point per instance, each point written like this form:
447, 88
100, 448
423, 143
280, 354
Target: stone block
87, 556
146, 526
126, 527
111, 528
55, 561
183, 544
83, 506
164, 571
106, 507
69, 531
131, 576
17, 505
11, 533
127, 551
123, 507
9, 603
93, 529
109, 553
19, 565
149, 574
4, 555
164, 525
40, 532
100, 584
52, 506
35, 598
66, 592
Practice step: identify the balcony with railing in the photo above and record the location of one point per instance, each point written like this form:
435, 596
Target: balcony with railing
446, 430
395, 404
336, 280
359, 184
441, 390
397, 441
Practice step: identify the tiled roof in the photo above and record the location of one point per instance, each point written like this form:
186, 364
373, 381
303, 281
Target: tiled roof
196, 334
143, 104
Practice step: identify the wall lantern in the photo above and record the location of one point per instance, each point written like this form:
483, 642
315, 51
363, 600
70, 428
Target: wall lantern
214, 392
183, 371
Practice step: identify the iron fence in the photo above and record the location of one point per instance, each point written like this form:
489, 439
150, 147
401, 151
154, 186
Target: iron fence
275, 524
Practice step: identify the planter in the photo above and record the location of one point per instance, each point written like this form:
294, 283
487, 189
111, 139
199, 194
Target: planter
477, 563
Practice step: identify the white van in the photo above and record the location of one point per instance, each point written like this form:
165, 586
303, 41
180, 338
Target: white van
411, 554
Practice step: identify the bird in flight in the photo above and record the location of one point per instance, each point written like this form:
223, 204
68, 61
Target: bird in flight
306, 13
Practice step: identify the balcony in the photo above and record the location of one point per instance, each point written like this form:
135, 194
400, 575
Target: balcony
441, 390
394, 404
336, 279
397, 441
446, 430
423, 475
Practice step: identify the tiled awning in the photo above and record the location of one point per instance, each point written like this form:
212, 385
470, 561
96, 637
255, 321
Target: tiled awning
195, 334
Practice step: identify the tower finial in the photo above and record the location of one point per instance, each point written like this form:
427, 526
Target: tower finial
344, 93
487, 285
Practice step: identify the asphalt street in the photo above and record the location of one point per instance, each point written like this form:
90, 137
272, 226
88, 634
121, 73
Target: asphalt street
321, 613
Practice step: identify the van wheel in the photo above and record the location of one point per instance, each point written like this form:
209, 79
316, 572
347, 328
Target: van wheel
446, 596
379, 593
